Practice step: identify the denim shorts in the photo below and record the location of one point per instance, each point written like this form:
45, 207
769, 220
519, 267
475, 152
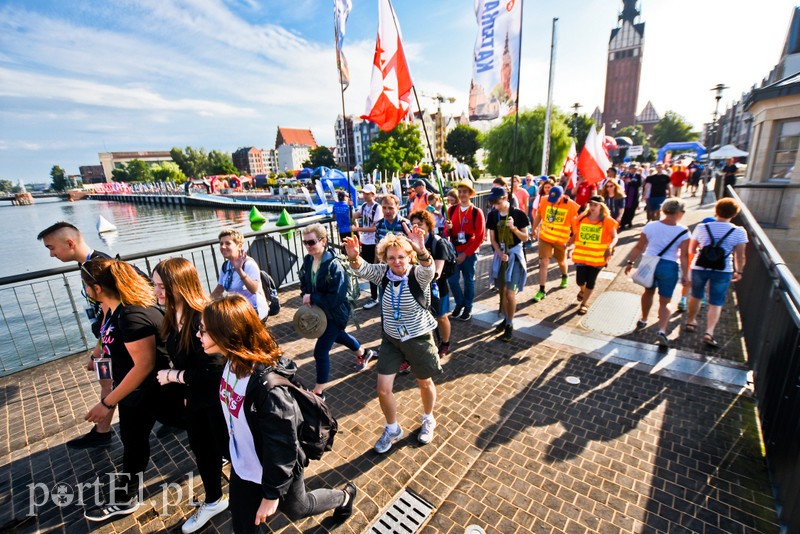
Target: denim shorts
654, 203
718, 282
666, 278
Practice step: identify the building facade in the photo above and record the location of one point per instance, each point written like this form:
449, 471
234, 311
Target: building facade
114, 160
293, 147
345, 146
249, 161
624, 68
92, 174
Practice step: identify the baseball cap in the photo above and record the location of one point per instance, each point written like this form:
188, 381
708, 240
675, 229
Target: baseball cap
369, 188
497, 193
555, 194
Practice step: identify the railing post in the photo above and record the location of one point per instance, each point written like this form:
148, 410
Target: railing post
75, 311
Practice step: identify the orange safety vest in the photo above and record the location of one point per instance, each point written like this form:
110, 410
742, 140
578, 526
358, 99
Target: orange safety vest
419, 203
557, 220
592, 240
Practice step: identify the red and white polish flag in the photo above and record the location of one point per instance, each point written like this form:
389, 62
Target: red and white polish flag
390, 88
593, 162
570, 168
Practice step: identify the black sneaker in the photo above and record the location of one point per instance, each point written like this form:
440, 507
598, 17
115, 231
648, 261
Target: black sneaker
508, 334
346, 510
661, 340
467, 315
91, 439
500, 327
104, 511
457, 312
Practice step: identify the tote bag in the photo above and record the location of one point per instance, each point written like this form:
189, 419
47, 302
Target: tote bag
645, 274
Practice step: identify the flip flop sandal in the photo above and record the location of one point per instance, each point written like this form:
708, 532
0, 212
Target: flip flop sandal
709, 340
580, 296
690, 327
583, 310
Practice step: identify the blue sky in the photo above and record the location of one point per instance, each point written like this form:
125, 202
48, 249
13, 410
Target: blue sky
81, 77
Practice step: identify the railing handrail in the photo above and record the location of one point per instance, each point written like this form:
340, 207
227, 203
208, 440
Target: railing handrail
25, 277
768, 185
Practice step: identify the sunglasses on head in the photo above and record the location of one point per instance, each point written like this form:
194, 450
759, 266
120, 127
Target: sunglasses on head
90, 275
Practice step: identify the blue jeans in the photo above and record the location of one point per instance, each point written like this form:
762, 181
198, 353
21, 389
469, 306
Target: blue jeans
718, 282
322, 350
666, 278
466, 297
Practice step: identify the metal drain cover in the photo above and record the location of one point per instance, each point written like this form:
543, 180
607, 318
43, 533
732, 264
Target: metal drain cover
404, 516
613, 313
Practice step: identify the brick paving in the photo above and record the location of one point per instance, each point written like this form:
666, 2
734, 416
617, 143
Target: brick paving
518, 448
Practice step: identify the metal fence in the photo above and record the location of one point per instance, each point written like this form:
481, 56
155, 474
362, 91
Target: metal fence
769, 306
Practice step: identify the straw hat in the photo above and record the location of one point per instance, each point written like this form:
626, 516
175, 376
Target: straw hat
467, 184
309, 321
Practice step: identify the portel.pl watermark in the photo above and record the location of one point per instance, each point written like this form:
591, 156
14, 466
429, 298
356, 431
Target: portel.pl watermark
90, 494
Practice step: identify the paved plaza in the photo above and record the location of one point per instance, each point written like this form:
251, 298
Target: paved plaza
568, 428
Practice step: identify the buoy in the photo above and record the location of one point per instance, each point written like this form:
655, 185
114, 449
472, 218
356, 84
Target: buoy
104, 225
256, 226
284, 219
256, 216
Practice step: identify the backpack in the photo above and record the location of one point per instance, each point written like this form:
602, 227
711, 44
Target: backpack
413, 285
319, 427
271, 292
450, 256
712, 256
353, 289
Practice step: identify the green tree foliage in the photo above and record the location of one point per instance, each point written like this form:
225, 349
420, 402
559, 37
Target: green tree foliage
59, 180
193, 163
637, 135
167, 171
672, 128
462, 142
397, 150
320, 157
584, 122
446, 166
499, 143
138, 171
220, 163
6, 186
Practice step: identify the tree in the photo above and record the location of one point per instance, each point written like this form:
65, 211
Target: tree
672, 128
499, 143
59, 179
193, 163
138, 171
395, 150
446, 166
220, 163
636, 134
462, 143
584, 122
426, 169
167, 171
320, 157
6, 186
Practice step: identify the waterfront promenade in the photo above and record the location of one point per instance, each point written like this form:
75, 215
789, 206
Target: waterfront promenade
647, 441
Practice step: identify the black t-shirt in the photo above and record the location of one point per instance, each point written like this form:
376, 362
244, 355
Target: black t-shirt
202, 372
495, 222
659, 184
127, 324
435, 246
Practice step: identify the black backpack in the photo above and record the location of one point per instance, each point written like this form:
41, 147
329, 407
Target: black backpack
450, 256
712, 256
271, 292
319, 427
413, 285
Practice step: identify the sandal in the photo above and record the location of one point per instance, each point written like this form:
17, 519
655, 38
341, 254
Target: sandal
582, 310
580, 296
709, 340
690, 327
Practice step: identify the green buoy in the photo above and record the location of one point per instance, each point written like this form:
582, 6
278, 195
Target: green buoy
256, 216
284, 219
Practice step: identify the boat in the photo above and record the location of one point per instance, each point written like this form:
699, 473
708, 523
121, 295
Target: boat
104, 225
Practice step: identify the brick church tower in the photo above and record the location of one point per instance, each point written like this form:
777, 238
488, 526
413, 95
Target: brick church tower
624, 68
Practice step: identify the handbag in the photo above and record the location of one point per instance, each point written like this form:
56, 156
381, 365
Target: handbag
644, 275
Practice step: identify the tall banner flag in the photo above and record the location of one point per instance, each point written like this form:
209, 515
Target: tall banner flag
341, 10
495, 69
589, 161
602, 150
390, 88
570, 168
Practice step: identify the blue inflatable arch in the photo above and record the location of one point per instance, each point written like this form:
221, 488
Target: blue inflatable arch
689, 145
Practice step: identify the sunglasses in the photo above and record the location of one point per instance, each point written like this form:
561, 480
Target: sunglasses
85, 270
311, 242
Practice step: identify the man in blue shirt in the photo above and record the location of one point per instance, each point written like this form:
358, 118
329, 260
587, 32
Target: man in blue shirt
343, 212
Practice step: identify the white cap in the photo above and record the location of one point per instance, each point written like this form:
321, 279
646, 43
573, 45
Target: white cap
369, 188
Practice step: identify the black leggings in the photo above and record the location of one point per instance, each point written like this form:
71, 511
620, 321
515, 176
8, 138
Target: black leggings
245, 498
586, 275
135, 424
368, 253
208, 438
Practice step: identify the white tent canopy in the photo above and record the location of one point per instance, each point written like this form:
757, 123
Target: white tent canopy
727, 151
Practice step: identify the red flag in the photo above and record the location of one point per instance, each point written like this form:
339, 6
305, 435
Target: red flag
570, 168
390, 89
589, 161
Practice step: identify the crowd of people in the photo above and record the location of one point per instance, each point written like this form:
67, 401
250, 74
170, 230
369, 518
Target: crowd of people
171, 353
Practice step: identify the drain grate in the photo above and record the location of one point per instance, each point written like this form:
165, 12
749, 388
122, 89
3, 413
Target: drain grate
404, 516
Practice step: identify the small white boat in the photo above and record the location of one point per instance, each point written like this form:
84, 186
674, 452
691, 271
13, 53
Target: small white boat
104, 225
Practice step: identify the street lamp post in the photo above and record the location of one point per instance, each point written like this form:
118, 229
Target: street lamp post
719, 186
576, 106
614, 126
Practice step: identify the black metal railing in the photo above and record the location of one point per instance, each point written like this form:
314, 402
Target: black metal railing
769, 307
771, 204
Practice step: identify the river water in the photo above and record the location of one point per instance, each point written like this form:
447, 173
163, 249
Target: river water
140, 228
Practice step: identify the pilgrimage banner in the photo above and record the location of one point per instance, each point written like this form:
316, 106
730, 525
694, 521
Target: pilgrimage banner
495, 69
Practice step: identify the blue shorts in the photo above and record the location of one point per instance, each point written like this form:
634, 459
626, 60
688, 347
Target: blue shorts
718, 282
666, 278
517, 277
440, 306
654, 203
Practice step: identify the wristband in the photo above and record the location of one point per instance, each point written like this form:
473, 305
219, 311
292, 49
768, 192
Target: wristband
106, 406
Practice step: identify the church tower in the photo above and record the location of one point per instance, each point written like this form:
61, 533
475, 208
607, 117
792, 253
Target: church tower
624, 68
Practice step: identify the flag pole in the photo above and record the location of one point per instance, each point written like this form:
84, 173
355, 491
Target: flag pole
549, 114
341, 91
519, 69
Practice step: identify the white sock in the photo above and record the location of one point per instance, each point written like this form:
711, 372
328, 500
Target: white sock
428, 416
392, 427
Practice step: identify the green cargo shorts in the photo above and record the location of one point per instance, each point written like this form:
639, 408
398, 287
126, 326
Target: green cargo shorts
420, 352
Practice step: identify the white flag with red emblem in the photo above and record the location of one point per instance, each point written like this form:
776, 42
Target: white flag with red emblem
341, 10
390, 89
590, 161
570, 168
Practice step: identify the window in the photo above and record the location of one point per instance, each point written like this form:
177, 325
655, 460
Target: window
786, 145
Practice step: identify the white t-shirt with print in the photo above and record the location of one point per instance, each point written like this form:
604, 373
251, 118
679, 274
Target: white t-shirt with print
242, 447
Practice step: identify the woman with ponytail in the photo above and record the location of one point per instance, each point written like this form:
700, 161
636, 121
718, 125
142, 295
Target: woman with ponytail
130, 339
178, 290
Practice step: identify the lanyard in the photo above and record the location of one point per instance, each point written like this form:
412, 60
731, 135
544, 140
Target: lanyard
393, 228
461, 216
396, 305
228, 281
89, 255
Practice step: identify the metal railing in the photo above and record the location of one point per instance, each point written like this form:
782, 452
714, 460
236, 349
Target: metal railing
769, 307
771, 204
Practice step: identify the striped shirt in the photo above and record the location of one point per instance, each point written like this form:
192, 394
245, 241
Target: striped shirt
718, 230
413, 319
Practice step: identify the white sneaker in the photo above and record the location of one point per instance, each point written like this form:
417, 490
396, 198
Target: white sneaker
370, 304
204, 514
426, 430
387, 438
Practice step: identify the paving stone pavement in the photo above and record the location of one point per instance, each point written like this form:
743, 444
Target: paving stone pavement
518, 448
